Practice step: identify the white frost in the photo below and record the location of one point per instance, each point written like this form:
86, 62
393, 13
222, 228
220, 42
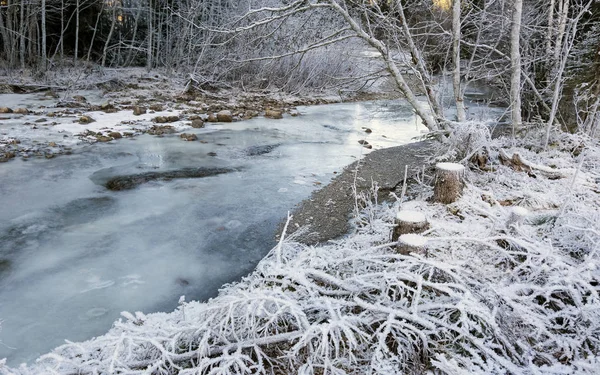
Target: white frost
450, 167
413, 240
409, 216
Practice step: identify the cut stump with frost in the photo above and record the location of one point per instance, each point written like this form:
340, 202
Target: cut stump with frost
411, 243
409, 222
449, 183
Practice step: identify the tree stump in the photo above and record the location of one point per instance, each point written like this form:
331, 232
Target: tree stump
411, 243
409, 222
448, 183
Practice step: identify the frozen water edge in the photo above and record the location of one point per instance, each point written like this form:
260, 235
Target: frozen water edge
86, 254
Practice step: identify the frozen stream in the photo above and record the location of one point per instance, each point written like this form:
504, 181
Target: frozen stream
73, 254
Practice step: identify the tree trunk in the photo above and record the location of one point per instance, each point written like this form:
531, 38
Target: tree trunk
110, 33
461, 115
425, 77
550, 31
401, 83
560, 33
22, 49
76, 51
4, 34
130, 55
62, 31
44, 54
94, 33
515, 66
150, 32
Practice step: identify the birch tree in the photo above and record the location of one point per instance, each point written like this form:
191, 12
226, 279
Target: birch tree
515, 65
456, 75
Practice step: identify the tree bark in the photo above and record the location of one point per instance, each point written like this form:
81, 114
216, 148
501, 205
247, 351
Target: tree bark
76, 51
150, 32
461, 115
448, 183
22, 49
515, 66
110, 33
44, 54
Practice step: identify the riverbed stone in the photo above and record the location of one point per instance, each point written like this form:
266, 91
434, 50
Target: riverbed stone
156, 107
165, 119
161, 129
115, 135
273, 113
131, 181
6, 156
197, 123
188, 136
85, 119
103, 138
139, 110
5, 110
224, 116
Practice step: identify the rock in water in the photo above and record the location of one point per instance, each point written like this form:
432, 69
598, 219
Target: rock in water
156, 107
138, 110
160, 130
274, 113
260, 150
224, 116
188, 137
86, 119
22, 111
5, 110
197, 123
131, 181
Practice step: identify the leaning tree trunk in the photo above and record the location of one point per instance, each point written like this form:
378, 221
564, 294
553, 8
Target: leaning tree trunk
94, 33
449, 183
109, 37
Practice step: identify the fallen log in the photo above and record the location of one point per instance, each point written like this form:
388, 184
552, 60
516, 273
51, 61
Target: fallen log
520, 164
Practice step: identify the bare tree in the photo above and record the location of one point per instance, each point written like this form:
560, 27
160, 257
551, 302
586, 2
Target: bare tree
515, 65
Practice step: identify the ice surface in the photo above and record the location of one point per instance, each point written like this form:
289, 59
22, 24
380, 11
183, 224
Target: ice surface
75, 254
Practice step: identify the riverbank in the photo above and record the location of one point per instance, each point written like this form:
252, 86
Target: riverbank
326, 215
46, 121
489, 293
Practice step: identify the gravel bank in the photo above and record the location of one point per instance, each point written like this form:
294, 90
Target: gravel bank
327, 212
